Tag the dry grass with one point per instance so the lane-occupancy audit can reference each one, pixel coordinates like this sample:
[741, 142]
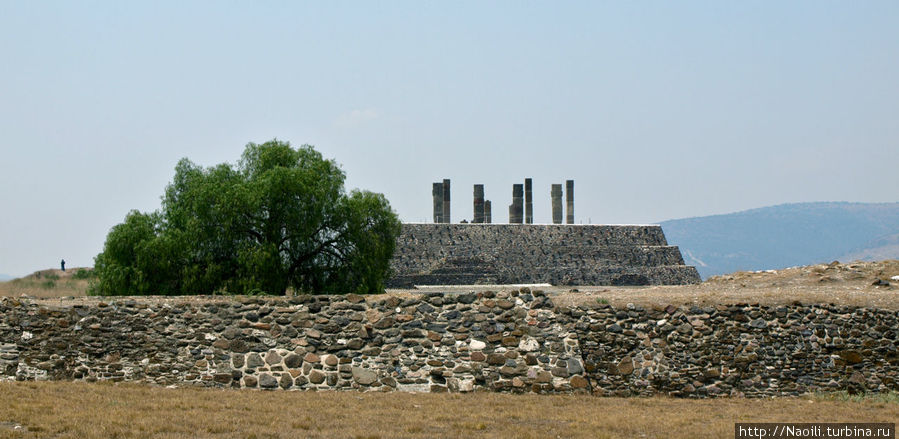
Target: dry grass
[842, 284]
[45, 284]
[81, 410]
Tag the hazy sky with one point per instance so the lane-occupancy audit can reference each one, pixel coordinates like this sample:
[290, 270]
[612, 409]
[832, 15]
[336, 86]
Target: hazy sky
[657, 110]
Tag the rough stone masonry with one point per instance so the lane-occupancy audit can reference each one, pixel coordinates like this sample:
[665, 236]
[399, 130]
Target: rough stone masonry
[508, 341]
[558, 254]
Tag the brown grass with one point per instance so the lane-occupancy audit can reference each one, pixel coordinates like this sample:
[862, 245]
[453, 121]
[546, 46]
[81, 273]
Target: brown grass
[82, 410]
[841, 284]
[46, 284]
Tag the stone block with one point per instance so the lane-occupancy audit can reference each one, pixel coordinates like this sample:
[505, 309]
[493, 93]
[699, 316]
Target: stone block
[286, 381]
[254, 361]
[365, 377]
[272, 358]
[267, 381]
[293, 361]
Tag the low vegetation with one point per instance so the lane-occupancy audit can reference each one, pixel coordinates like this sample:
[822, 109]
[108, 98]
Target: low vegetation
[81, 410]
[49, 283]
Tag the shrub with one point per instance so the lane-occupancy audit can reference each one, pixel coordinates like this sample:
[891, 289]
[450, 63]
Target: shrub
[83, 274]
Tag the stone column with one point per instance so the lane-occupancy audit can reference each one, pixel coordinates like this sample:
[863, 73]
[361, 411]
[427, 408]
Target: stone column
[516, 212]
[437, 195]
[528, 202]
[487, 209]
[478, 204]
[569, 201]
[556, 195]
[446, 201]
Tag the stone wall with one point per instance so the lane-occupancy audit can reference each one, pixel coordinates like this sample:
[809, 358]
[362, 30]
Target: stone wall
[464, 254]
[509, 341]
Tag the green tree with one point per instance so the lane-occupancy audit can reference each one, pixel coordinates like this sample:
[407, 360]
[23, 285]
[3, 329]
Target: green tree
[280, 219]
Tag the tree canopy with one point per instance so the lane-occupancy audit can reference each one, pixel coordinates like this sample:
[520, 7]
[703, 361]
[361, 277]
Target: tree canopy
[279, 219]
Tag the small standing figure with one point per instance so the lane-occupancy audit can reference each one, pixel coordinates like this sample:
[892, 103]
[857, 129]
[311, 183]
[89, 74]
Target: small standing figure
[62, 264]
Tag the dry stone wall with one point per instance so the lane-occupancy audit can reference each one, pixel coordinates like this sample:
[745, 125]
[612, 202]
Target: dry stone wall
[508, 341]
[463, 254]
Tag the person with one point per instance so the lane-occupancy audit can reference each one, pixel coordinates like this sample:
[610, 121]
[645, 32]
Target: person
[62, 264]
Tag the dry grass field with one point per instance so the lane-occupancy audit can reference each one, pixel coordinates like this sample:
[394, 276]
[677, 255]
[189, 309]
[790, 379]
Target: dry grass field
[842, 284]
[49, 283]
[81, 410]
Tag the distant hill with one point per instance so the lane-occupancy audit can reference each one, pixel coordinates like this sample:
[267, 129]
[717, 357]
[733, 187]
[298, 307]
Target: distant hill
[787, 235]
[5, 277]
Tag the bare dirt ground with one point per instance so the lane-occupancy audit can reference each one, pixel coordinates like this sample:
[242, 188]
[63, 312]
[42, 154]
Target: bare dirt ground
[857, 284]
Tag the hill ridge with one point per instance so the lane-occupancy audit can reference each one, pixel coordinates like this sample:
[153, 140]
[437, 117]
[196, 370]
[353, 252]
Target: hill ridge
[787, 235]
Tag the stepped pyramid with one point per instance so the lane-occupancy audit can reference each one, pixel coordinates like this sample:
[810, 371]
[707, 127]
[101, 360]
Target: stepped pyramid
[558, 254]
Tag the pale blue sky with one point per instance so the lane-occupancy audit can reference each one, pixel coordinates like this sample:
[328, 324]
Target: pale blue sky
[658, 110]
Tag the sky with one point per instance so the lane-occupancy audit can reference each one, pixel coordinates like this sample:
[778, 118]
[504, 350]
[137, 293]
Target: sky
[658, 110]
